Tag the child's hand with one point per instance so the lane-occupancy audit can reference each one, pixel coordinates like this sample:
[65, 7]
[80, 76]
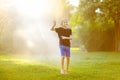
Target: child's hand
[63, 37]
[54, 22]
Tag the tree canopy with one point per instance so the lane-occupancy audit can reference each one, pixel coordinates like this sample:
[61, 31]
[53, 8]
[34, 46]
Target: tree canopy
[98, 14]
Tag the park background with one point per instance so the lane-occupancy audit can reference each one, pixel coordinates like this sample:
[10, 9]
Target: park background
[30, 51]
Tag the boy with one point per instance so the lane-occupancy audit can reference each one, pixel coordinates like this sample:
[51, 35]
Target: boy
[64, 34]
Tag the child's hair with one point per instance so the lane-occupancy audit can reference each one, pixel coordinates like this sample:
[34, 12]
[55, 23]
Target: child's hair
[62, 21]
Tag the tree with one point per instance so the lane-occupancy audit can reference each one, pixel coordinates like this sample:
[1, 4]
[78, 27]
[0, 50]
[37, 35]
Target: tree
[111, 10]
[66, 9]
[7, 27]
[100, 14]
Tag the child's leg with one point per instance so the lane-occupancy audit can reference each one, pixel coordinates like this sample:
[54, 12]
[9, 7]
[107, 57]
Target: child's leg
[67, 58]
[68, 61]
[62, 62]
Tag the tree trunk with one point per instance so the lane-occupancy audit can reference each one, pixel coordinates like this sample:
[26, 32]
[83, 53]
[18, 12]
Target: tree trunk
[117, 36]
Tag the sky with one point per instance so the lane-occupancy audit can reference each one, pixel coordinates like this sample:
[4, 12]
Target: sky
[74, 2]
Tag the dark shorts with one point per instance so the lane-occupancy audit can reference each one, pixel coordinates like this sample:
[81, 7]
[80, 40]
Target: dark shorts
[65, 51]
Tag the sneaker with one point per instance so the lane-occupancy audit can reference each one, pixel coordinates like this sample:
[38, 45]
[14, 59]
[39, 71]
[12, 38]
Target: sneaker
[62, 71]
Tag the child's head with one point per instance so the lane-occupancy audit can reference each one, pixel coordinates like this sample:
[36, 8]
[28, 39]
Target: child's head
[64, 22]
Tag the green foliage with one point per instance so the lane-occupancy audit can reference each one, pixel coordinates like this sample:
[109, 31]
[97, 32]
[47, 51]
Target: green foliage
[66, 7]
[109, 12]
[99, 17]
[111, 9]
[75, 20]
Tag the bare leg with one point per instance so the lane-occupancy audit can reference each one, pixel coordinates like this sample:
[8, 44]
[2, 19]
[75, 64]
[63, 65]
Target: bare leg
[68, 61]
[62, 64]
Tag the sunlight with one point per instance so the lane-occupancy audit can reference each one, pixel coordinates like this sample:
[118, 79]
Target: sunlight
[35, 8]
[74, 2]
[33, 20]
[32, 7]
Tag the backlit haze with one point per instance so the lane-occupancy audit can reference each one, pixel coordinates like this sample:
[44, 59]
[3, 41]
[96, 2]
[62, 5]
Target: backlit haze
[25, 27]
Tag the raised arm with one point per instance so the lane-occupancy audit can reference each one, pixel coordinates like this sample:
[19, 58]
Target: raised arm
[53, 27]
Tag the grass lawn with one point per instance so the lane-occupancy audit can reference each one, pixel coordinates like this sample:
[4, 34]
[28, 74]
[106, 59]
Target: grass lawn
[84, 66]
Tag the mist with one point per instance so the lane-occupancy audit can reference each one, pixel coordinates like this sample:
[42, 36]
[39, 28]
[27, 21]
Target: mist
[25, 28]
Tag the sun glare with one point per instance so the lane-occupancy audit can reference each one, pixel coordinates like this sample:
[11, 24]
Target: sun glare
[74, 2]
[37, 8]
[33, 20]
[29, 7]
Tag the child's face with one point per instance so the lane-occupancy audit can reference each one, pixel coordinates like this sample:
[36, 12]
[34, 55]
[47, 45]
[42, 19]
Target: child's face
[65, 23]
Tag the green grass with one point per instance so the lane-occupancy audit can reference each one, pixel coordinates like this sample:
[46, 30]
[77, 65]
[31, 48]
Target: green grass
[83, 66]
